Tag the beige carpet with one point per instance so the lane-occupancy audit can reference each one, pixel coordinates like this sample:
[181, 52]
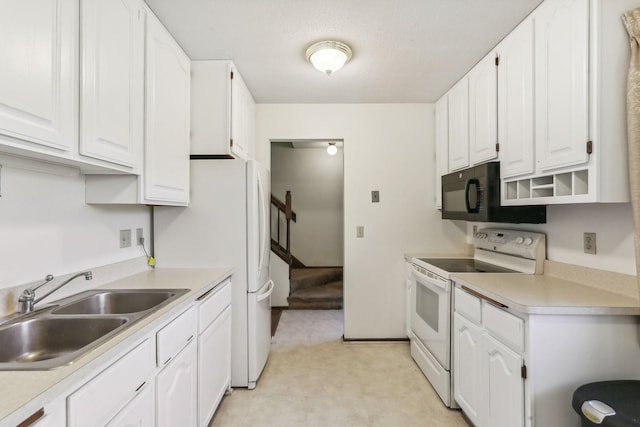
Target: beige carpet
[313, 378]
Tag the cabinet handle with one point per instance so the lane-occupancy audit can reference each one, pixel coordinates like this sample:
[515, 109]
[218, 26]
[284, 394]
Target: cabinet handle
[32, 418]
[140, 387]
[206, 294]
[487, 299]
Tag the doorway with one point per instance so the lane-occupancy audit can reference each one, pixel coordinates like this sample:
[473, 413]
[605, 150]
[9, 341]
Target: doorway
[312, 276]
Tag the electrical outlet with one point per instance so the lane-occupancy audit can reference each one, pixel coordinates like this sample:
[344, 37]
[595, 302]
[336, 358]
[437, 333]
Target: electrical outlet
[590, 243]
[125, 238]
[139, 236]
[375, 196]
[360, 231]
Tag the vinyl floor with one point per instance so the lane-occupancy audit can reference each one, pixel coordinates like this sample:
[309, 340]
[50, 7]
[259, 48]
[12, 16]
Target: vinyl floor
[314, 378]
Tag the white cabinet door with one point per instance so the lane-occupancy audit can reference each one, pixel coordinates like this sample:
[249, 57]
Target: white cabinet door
[242, 118]
[139, 412]
[214, 366]
[515, 101]
[442, 146]
[483, 110]
[176, 389]
[38, 65]
[459, 125]
[503, 398]
[112, 86]
[562, 82]
[166, 159]
[468, 386]
[222, 111]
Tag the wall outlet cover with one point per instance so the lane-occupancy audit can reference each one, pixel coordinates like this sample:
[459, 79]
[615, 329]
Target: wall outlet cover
[589, 243]
[125, 238]
[139, 235]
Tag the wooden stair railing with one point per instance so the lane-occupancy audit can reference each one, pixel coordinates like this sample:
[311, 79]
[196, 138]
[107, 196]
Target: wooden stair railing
[284, 252]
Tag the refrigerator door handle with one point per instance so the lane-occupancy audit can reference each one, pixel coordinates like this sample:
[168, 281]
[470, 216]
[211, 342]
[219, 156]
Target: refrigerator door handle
[262, 234]
[266, 294]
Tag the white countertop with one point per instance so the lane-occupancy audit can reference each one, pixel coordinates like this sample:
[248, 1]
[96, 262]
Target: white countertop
[543, 294]
[24, 392]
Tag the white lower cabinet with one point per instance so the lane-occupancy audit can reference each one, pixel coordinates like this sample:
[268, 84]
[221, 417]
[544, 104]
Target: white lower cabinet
[514, 369]
[467, 340]
[214, 351]
[176, 388]
[503, 388]
[55, 415]
[488, 375]
[140, 411]
[99, 400]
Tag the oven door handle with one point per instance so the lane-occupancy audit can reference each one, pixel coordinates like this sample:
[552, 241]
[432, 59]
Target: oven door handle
[442, 284]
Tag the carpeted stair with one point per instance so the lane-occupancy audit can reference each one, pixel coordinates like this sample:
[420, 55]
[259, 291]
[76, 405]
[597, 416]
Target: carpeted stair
[316, 288]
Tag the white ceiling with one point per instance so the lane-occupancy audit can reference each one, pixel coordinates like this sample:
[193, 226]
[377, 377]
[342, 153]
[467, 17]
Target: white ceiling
[403, 50]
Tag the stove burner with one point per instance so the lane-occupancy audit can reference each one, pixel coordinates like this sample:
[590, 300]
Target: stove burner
[465, 265]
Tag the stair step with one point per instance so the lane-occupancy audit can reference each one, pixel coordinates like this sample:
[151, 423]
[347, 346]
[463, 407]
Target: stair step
[303, 278]
[327, 296]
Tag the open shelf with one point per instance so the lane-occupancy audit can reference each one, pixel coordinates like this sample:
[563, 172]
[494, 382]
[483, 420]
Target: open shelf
[565, 184]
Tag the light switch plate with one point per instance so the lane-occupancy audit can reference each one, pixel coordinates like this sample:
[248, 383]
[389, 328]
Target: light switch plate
[375, 196]
[360, 231]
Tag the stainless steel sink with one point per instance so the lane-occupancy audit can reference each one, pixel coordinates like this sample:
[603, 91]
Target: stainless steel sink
[37, 341]
[117, 302]
[61, 333]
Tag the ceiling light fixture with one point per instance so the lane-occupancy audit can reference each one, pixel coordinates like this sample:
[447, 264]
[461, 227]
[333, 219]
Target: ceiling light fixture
[328, 56]
[332, 149]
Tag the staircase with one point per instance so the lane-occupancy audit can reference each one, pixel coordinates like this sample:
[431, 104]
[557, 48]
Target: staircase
[310, 288]
[316, 288]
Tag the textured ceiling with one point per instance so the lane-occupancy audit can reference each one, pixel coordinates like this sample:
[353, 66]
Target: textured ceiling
[403, 50]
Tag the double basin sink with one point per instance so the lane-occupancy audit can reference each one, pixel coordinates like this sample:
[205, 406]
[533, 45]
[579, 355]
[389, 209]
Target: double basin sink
[69, 328]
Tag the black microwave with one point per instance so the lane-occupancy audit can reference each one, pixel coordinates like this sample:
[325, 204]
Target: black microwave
[473, 194]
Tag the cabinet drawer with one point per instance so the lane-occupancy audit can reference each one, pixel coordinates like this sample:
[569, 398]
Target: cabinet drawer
[467, 305]
[507, 327]
[213, 304]
[173, 337]
[98, 400]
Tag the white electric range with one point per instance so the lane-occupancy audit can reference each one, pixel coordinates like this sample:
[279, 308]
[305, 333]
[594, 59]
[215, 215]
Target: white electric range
[495, 251]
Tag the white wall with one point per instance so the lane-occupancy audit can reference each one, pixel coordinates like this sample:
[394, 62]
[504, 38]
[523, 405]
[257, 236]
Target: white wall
[46, 227]
[612, 223]
[387, 147]
[315, 180]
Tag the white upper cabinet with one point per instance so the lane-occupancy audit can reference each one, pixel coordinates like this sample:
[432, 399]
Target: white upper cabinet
[38, 65]
[164, 178]
[562, 82]
[581, 59]
[112, 86]
[515, 101]
[168, 92]
[442, 146]
[458, 110]
[222, 111]
[483, 111]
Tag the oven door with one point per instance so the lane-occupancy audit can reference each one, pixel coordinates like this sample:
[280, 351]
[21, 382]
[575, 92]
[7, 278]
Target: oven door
[430, 314]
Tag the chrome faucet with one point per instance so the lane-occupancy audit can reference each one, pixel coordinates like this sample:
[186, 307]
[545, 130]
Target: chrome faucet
[27, 299]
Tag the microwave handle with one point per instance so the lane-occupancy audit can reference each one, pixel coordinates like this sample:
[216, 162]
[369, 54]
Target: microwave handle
[467, 193]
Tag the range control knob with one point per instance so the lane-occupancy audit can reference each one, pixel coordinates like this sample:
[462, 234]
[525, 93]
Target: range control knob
[519, 240]
[528, 241]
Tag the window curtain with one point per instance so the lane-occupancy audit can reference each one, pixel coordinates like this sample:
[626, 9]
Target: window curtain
[631, 21]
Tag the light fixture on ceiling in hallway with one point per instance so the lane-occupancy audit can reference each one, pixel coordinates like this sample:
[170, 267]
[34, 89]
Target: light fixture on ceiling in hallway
[328, 56]
[332, 149]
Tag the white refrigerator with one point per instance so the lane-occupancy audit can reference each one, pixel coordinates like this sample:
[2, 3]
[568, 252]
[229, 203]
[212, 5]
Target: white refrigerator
[227, 223]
